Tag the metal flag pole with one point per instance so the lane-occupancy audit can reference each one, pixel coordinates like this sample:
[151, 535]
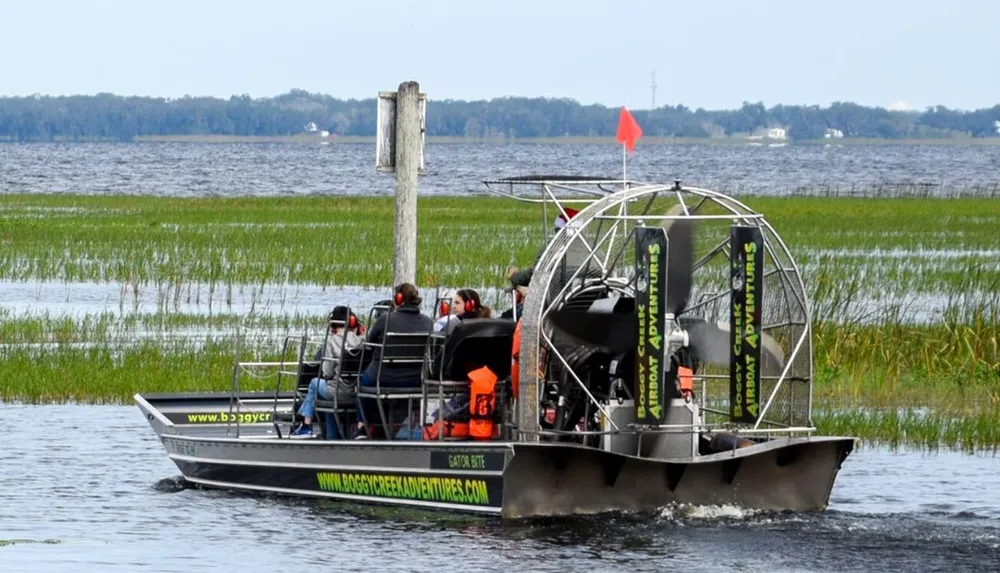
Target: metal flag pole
[624, 167]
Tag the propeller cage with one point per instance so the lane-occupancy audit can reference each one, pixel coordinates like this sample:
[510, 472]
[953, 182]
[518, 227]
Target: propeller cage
[671, 272]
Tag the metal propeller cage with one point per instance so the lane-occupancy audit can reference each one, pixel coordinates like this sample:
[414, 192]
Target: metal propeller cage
[594, 255]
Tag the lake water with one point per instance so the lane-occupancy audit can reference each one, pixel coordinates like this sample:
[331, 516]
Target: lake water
[89, 488]
[192, 169]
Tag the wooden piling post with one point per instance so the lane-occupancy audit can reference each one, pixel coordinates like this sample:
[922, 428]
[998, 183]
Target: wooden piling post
[400, 149]
[408, 151]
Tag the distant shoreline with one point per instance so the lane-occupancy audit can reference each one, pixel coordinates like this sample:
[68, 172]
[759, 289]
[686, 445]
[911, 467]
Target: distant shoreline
[567, 140]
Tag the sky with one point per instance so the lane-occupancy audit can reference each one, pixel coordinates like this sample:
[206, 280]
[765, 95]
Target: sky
[712, 54]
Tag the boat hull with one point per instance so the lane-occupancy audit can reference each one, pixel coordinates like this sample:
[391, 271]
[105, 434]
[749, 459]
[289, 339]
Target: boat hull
[508, 479]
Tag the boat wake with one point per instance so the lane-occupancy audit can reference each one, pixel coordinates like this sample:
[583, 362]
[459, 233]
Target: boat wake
[682, 512]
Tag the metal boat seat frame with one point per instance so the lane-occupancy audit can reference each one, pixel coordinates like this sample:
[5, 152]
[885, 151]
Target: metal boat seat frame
[398, 349]
[347, 374]
[456, 351]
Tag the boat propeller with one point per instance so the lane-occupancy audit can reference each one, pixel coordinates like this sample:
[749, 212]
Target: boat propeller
[611, 325]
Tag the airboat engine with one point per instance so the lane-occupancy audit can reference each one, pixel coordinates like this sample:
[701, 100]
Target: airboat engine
[616, 355]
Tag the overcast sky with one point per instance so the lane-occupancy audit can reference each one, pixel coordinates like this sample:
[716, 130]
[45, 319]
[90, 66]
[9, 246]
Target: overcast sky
[712, 54]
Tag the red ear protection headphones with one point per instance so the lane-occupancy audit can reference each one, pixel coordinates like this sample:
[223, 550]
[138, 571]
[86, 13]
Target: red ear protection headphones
[398, 299]
[470, 305]
[445, 308]
[352, 322]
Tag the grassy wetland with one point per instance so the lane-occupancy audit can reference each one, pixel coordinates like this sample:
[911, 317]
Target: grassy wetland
[906, 293]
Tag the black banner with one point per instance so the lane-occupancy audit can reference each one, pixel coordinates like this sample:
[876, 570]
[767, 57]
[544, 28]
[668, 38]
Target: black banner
[650, 293]
[747, 268]
[401, 486]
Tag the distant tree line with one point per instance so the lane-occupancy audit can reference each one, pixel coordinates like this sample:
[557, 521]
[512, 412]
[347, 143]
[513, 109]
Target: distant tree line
[112, 117]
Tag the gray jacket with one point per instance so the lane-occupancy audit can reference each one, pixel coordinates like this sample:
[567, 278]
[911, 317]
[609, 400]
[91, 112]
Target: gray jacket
[333, 349]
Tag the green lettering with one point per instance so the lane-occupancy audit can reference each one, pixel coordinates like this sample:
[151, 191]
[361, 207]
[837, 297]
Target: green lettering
[453, 490]
[641, 310]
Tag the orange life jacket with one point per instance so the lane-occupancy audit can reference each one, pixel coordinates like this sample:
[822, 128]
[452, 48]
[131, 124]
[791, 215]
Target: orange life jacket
[515, 353]
[446, 429]
[482, 401]
[686, 380]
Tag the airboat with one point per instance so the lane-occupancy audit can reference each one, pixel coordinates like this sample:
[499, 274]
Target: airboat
[665, 357]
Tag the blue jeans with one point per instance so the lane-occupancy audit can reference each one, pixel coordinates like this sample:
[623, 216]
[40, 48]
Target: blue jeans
[317, 386]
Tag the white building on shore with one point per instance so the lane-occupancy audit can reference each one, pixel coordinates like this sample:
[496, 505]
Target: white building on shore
[776, 133]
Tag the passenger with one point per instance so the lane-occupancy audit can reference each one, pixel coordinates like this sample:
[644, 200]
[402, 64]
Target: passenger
[519, 291]
[465, 304]
[515, 356]
[405, 317]
[339, 320]
[515, 351]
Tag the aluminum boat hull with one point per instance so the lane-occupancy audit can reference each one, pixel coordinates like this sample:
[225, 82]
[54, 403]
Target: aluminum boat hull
[507, 479]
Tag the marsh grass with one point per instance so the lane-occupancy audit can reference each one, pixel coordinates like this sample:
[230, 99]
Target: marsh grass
[879, 375]
[168, 244]
[915, 427]
[112, 374]
[933, 385]
[111, 328]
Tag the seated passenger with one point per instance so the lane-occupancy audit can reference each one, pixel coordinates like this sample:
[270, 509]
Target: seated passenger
[405, 317]
[465, 304]
[339, 320]
[519, 290]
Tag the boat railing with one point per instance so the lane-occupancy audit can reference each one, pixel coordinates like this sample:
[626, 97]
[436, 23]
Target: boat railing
[290, 364]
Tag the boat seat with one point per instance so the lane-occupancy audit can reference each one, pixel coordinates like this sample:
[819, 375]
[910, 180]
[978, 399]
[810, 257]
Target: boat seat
[386, 392]
[474, 343]
[343, 411]
[400, 352]
[307, 370]
[469, 345]
[343, 408]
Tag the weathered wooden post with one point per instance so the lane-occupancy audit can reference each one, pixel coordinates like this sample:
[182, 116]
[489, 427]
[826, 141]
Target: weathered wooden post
[399, 149]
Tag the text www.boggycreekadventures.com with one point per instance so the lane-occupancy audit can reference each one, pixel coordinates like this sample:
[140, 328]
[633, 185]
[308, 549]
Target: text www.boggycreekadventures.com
[225, 417]
[454, 490]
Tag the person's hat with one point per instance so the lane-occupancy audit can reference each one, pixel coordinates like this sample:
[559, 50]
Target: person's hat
[561, 219]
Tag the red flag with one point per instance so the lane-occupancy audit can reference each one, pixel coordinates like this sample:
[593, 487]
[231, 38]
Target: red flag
[628, 130]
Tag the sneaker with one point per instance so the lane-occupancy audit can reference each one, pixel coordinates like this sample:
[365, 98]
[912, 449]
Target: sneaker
[302, 432]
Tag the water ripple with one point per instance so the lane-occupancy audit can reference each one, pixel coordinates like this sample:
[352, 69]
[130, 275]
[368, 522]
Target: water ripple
[268, 169]
[97, 487]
